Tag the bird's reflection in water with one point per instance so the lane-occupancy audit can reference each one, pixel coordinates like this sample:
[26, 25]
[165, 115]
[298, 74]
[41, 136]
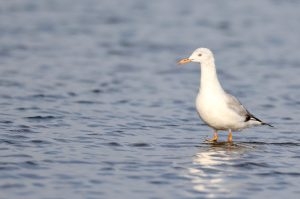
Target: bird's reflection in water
[213, 168]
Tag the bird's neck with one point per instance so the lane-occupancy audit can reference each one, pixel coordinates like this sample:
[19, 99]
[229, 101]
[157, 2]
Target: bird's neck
[209, 78]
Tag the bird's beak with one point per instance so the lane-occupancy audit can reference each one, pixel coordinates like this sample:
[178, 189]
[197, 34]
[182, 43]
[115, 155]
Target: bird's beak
[184, 61]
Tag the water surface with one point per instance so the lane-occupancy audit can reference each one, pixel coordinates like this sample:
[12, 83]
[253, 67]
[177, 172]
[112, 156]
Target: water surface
[92, 104]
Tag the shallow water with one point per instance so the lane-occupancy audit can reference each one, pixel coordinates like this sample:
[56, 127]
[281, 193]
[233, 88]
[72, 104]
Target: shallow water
[93, 104]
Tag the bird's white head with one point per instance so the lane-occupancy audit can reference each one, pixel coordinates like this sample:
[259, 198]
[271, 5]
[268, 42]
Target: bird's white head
[200, 55]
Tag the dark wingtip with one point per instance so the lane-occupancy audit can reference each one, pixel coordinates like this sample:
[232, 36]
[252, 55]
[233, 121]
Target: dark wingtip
[263, 123]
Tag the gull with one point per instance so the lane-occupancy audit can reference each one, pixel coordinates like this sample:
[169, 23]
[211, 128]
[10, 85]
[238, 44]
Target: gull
[217, 108]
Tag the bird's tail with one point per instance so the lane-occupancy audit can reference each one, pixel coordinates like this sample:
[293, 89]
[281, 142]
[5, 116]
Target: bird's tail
[261, 122]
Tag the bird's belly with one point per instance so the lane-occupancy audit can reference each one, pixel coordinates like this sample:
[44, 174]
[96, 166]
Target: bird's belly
[216, 114]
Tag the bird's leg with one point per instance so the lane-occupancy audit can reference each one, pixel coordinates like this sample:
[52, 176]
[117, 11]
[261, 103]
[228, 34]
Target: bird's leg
[215, 138]
[229, 136]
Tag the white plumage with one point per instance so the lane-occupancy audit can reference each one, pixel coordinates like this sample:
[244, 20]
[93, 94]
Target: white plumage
[218, 109]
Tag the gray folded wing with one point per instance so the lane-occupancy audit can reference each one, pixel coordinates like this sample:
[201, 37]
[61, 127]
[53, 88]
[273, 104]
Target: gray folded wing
[234, 104]
[237, 107]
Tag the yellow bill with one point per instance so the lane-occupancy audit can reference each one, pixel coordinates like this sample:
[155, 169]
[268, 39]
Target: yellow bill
[184, 61]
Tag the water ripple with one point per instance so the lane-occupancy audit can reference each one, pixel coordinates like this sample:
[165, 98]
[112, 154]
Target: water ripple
[92, 102]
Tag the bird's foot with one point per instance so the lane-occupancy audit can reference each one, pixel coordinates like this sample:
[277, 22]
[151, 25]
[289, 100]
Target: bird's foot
[211, 140]
[214, 139]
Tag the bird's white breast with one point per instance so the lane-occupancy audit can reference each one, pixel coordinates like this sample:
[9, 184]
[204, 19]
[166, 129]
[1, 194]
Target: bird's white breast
[213, 110]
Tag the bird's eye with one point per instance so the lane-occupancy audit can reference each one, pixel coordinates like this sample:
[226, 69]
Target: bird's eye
[200, 55]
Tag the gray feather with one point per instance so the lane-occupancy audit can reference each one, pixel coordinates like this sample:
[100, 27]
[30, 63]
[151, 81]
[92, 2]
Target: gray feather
[235, 105]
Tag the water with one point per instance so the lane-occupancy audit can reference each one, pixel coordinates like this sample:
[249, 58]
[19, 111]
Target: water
[93, 105]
